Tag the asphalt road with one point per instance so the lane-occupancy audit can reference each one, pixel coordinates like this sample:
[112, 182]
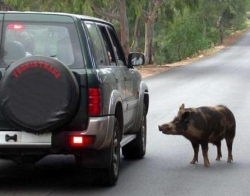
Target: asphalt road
[223, 78]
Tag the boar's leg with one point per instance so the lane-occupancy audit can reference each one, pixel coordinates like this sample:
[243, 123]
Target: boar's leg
[229, 148]
[219, 154]
[196, 151]
[204, 146]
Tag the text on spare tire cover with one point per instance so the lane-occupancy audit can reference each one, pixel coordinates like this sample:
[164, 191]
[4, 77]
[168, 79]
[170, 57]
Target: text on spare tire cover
[36, 64]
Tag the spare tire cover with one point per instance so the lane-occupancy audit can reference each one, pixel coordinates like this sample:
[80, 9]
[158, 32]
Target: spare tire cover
[38, 94]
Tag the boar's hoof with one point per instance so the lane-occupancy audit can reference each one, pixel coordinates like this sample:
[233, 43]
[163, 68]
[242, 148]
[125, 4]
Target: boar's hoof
[206, 163]
[230, 159]
[194, 161]
[218, 158]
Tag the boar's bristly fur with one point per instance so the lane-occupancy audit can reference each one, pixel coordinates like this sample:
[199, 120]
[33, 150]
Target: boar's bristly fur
[204, 125]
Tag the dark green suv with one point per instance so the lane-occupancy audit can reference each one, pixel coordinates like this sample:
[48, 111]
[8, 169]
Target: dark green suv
[67, 88]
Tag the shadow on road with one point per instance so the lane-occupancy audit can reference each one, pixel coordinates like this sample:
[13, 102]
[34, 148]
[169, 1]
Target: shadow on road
[53, 173]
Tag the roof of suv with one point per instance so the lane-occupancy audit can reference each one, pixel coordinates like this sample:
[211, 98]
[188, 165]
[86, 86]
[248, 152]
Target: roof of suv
[56, 13]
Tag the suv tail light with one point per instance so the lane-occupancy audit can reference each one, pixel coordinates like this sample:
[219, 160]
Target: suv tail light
[94, 101]
[15, 27]
[81, 140]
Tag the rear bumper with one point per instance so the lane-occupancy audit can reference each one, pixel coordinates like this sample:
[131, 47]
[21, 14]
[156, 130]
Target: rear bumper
[99, 127]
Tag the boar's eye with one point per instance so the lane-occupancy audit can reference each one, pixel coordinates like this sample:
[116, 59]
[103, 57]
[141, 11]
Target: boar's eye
[182, 126]
[185, 117]
[179, 124]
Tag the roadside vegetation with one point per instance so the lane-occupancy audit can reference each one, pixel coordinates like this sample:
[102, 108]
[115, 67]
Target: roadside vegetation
[165, 30]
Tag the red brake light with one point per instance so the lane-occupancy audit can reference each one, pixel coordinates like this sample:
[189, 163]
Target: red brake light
[94, 101]
[16, 27]
[81, 140]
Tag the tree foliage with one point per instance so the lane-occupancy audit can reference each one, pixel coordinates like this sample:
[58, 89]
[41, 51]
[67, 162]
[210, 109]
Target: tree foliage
[193, 30]
[165, 30]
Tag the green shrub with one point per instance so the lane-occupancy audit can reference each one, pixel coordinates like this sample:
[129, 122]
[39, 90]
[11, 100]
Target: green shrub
[184, 38]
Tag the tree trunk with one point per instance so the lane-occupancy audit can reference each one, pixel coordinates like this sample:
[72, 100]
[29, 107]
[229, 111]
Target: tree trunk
[134, 46]
[124, 26]
[4, 6]
[148, 42]
[150, 19]
[120, 16]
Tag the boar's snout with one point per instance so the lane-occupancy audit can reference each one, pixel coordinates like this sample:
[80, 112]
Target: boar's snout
[166, 128]
[162, 127]
[159, 127]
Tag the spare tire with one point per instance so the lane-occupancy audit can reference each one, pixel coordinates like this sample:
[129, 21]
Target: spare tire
[38, 94]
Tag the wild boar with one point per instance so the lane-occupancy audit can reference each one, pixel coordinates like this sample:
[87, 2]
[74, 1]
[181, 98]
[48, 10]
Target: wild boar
[204, 125]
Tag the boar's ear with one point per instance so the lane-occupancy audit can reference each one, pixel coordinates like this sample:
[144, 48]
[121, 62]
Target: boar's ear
[182, 107]
[185, 117]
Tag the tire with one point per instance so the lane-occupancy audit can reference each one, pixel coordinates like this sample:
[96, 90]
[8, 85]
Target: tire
[136, 149]
[109, 176]
[38, 94]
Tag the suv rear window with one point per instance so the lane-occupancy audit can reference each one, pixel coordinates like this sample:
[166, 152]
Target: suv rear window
[59, 41]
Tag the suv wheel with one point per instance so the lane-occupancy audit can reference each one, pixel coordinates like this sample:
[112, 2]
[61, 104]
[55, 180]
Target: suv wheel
[109, 176]
[137, 148]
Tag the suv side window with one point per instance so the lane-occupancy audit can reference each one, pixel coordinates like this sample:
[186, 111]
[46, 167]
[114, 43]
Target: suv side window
[117, 48]
[108, 44]
[98, 47]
